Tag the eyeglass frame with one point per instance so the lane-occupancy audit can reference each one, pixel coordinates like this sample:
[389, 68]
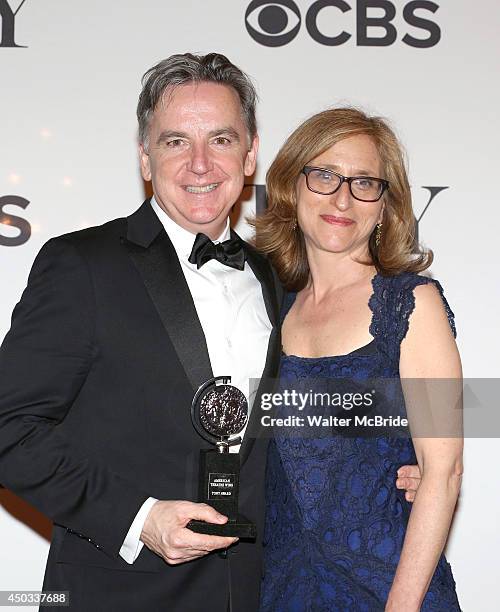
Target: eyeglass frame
[306, 170]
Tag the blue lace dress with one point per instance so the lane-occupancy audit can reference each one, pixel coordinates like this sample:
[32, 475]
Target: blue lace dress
[335, 521]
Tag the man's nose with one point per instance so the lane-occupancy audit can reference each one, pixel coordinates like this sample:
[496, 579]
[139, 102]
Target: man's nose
[200, 161]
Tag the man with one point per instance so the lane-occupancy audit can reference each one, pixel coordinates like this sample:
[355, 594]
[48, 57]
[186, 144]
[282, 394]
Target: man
[117, 328]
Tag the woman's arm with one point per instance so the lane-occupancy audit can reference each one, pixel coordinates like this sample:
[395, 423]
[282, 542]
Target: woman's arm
[429, 352]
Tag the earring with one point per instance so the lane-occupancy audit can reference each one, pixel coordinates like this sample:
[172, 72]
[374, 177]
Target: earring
[294, 224]
[378, 234]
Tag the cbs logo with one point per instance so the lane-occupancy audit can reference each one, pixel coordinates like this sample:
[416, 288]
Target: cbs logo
[276, 23]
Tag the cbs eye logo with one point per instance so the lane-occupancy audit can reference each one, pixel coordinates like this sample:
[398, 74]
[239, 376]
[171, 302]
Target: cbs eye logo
[276, 23]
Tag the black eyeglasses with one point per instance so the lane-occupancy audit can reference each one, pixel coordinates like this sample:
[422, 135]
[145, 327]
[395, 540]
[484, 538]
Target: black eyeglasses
[326, 182]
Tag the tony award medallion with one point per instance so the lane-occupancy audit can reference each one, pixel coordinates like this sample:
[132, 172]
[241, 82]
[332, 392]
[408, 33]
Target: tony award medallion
[220, 410]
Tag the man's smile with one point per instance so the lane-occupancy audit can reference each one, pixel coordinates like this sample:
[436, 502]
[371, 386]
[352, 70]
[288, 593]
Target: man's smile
[201, 188]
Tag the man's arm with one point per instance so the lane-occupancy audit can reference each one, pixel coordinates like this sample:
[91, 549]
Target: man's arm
[44, 362]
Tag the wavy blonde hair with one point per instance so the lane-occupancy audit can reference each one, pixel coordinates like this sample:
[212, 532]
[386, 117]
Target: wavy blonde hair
[276, 231]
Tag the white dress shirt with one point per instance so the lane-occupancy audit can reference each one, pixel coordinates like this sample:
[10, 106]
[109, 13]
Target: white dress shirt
[234, 320]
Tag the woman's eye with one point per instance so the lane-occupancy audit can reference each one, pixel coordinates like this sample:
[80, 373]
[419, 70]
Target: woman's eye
[364, 183]
[326, 177]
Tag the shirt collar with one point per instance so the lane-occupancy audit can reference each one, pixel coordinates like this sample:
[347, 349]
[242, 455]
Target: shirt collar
[181, 238]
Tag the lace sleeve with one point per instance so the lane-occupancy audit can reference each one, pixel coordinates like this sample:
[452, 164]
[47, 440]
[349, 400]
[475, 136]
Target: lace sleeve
[392, 303]
[405, 302]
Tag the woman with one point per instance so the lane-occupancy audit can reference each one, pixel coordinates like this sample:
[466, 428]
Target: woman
[340, 231]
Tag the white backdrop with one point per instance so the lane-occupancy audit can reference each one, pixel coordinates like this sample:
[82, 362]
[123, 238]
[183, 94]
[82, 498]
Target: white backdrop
[69, 91]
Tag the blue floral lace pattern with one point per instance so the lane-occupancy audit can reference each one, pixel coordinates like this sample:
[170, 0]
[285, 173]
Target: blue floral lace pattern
[335, 522]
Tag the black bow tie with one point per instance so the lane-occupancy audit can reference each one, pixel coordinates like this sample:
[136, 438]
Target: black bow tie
[230, 252]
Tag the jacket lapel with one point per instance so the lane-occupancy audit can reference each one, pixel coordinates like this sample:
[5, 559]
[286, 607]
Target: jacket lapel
[156, 260]
[272, 294]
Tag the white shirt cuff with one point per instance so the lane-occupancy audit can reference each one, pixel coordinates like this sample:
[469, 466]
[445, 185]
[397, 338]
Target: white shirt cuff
[132, 544]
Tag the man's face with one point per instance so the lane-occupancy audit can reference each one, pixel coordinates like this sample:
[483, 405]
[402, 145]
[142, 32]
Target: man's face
[198, 155]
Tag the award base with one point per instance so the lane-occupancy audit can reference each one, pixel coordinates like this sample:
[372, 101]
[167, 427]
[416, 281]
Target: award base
[219, 485]
[240, 527]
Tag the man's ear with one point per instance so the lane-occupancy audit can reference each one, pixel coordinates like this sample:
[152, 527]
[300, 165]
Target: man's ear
[144, 160]
[251, 157]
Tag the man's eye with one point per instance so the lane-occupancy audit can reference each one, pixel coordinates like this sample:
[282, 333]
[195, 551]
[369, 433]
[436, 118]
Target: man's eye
[176, 142]
[221, 140]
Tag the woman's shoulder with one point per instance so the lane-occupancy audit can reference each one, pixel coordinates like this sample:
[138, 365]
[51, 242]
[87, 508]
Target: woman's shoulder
[402, 292]
[401, 287]
[405, 281]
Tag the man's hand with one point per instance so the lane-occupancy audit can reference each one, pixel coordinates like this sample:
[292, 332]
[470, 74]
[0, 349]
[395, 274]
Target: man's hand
[409, 478]
[165, 531]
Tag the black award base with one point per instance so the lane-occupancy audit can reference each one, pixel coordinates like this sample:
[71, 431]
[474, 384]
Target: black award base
[240, 527]
[219, 485]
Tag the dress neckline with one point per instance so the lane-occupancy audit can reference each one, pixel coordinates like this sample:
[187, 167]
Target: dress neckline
[365, 349]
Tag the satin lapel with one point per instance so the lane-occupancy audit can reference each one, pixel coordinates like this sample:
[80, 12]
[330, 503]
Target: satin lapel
[266, 384]
[162, 275]
[272, 299]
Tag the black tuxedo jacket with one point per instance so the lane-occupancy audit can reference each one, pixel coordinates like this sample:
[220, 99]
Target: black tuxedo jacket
[97, 374]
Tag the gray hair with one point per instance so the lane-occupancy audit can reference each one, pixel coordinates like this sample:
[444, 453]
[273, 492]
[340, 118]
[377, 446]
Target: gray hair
[186, 68]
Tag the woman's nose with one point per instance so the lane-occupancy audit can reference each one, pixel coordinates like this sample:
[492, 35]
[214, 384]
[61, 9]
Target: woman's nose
[342, 198]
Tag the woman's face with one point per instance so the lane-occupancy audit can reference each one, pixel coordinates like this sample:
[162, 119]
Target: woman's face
[339, 223]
